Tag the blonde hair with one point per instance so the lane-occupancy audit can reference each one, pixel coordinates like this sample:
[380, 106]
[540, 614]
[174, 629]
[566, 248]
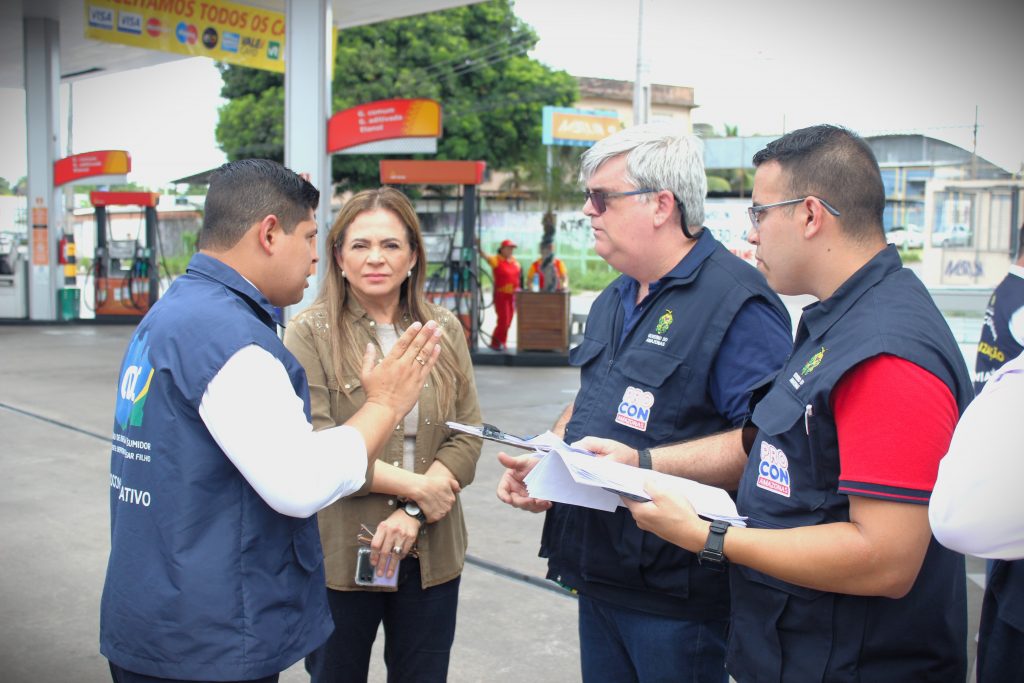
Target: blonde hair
[335, 295]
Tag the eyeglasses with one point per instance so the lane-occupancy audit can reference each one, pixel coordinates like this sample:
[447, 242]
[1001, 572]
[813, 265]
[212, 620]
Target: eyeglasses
[755, 211]
[598, 198]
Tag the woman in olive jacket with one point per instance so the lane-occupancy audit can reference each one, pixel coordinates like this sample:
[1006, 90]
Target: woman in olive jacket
[373, 291]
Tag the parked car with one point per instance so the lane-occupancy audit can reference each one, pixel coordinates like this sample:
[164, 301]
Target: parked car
[906, 236]
[954, 236]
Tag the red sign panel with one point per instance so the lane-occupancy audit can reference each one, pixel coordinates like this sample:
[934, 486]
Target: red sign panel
[406, 172]
[90, 164]
[383, 120]
[124, 198]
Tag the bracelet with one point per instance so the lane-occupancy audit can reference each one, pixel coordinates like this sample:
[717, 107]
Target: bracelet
[644, 458]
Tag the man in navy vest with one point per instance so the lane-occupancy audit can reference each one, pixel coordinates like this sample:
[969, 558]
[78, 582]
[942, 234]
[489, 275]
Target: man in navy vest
[1002, 333]
[836, 576]
[216, 570]
[670, 352]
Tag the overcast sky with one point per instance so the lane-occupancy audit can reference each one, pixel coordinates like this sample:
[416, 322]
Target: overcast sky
[876, 66]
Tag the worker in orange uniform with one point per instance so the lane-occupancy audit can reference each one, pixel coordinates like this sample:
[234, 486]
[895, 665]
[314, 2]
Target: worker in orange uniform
[548, 270]
[507, 274]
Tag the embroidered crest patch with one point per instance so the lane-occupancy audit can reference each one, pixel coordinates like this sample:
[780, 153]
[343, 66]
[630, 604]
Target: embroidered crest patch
[814, 362]
[664, 322]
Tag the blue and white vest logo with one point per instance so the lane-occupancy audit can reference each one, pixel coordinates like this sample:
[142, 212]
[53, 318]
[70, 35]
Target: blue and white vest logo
[635, 408]
[133, 387]
[773, 470]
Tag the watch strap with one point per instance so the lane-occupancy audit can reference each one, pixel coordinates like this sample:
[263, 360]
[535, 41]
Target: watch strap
[643, 457]
[713, 554]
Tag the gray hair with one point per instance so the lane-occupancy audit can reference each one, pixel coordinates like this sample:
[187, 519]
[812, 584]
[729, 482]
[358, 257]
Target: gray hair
[659, 156]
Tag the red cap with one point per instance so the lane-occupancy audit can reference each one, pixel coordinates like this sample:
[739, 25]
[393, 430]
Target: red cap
[508, 243]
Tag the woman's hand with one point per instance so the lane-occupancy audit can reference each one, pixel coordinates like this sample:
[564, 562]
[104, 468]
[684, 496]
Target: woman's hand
[393, 540]
[436, 494]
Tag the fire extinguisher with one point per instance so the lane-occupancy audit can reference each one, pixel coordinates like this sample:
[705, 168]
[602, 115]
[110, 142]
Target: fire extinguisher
[66, 257]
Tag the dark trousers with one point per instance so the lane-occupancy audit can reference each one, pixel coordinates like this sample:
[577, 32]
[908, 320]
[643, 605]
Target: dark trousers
[626, 646]
[419, 628]
[1000, 638]
[124, 676]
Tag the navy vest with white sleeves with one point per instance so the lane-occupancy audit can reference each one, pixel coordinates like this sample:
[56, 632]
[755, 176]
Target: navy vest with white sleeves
[784, 632]
[205, 580]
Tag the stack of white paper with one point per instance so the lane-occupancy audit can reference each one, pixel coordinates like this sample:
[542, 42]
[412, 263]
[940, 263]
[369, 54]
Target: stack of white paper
[578, 477]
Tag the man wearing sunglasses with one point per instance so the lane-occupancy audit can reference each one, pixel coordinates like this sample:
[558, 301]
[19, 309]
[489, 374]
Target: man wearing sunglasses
[837, 575]
[670, 351]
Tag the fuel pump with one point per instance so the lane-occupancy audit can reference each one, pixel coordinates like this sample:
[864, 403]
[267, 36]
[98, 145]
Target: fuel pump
[125, 274]
[13, 268]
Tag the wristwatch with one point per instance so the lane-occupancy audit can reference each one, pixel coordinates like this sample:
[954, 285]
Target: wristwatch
[643, 458]
[413, 510]
[713, 555]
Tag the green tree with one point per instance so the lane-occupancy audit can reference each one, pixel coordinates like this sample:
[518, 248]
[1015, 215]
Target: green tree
[21, 187]
[554, 176]
[5, 187]
[471, 59]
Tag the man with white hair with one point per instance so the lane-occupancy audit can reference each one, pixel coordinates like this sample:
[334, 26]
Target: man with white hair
[669, 354]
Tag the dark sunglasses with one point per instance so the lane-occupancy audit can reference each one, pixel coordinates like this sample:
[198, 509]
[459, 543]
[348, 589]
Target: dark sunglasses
[598, 199]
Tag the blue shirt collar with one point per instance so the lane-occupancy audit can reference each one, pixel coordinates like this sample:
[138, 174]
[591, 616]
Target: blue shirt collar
[218, 271]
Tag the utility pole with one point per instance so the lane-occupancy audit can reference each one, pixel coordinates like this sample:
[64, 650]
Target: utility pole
[642, 85]
[974, 150]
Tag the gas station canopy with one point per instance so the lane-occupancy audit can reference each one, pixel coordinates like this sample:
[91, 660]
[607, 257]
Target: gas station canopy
[43, 43]
[81, 57]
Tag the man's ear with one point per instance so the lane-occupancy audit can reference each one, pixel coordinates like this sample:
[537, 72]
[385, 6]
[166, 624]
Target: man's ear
[269, 232]
[666, 206]
[816, 215]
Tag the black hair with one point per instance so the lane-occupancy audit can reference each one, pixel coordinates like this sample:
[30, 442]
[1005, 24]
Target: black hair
[244, 192]
[837, 165]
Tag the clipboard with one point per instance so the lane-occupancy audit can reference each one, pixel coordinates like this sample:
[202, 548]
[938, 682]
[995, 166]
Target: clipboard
[492, 433]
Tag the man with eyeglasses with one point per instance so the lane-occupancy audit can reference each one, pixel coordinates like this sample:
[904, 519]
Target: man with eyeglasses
[837, 576]
[670, 352]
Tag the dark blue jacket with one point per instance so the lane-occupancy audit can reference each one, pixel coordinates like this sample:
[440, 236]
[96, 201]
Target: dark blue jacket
[783, 632]
[1001, 631]
[650, 388]
[205, 580]
[997, 344]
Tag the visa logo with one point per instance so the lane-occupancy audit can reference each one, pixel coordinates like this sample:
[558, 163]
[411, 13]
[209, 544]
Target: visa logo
[129, 23]
[101, 17]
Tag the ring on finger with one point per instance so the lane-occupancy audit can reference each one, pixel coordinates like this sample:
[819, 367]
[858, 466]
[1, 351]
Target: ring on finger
[397, 550]
[421, 360]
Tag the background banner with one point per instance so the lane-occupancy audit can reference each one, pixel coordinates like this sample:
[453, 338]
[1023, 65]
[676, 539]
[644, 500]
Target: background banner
[225, 31]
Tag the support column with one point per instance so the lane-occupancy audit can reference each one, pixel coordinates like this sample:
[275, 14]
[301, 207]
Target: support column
[45, 205]
[307, 104]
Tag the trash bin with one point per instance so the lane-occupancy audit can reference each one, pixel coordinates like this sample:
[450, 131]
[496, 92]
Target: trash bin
[68, 302]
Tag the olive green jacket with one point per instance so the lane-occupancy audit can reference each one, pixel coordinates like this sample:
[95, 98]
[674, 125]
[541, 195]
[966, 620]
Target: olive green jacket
[442, 545]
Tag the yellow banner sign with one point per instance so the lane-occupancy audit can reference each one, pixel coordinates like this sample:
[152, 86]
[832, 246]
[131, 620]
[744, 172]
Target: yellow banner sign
[225, 31]
[584, 126]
